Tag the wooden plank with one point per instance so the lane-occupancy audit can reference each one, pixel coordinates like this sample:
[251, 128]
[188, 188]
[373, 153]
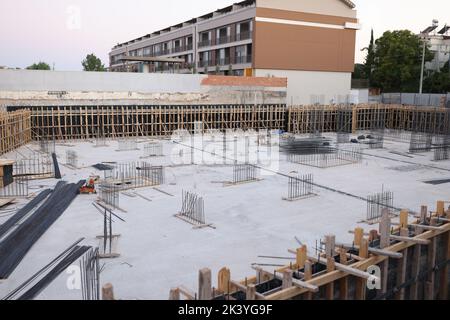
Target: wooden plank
[301, 257]
[359, 232]
[295, 282]
[174, 294]
[329, 289]
[409, 239]
[223, 278]
[415, 270]
[401, 275]
[251, 292]
[443, 284]
[385, 229]
[204, 284]
[404, 219]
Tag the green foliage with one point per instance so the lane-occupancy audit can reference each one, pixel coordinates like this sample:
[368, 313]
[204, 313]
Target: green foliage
[370, 60]
[397, 61]
[92, 63]
[39, 66]
[359, 72]
[438, 82]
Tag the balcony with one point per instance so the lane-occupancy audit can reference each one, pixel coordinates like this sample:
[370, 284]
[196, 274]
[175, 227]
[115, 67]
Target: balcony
[243, 59]
[244, 36]
[228, 39]
[207, 63]
[224, 62]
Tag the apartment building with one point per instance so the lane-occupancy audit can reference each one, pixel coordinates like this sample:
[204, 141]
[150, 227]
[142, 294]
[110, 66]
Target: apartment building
[311, 42]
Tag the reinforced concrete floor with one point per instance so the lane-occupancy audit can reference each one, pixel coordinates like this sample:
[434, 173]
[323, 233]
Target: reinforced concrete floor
[159, 251]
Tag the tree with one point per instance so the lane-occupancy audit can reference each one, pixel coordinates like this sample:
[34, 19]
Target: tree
[359, 72]
[397, 61]
[370, 59]
[39, 66]
[92, 63]
[438, 82]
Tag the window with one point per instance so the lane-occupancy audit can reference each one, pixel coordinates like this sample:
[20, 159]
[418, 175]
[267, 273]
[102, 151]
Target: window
[244, 30]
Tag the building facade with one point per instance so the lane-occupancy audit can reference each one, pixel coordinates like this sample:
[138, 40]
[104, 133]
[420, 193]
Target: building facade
[311, 42]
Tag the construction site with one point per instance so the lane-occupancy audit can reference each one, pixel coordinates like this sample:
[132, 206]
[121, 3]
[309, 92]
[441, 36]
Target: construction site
[256, 202]
[228, 157]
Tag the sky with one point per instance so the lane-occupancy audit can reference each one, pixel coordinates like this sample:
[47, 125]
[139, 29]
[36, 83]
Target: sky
[63, 32]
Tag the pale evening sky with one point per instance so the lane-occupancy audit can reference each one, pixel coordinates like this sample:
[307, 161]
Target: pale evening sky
[34, 30]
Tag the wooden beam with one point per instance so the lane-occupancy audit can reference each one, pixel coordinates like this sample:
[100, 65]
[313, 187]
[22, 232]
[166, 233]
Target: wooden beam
[308, 277]
[329, 289]
[424, 227]
[360, 289]
[251, 292]
[440, 208]
[401, 275]
[330, 245]
[174, 294]
[223, 280]
[410, 239]
[301, 257]
[404, 219]
[244, 288]
[358, 234]
[108, 292]
[364, 248]
[287, 278]
[204, 284]
[443, 283]
[415, 270]
[344, 268]
[295, 282]
[385, 229]
[376, 251]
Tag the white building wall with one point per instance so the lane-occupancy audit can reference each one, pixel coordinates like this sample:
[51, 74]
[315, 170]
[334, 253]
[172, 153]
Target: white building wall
[310, 87]
[36, 80]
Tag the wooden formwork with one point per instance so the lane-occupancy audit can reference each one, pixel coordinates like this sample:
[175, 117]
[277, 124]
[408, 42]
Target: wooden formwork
[69, 123]
[303, 119]
[15, 130]
[87, 122]
[406, 262]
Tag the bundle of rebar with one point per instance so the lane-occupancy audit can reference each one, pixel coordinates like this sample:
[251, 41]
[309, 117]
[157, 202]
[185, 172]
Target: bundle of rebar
[90, 275]
[19, 241]
[32, 287]
[11, 222]
[193, 207]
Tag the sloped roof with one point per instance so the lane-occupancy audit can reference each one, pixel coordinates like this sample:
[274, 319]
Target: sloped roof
[349, 3]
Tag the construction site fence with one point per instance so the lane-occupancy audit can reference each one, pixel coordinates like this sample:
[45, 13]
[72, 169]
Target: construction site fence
[417, 99]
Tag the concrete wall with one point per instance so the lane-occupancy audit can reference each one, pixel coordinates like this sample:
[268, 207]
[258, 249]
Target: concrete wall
[30, 80]
[310, 87]
[359, 96]
[32, 88]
